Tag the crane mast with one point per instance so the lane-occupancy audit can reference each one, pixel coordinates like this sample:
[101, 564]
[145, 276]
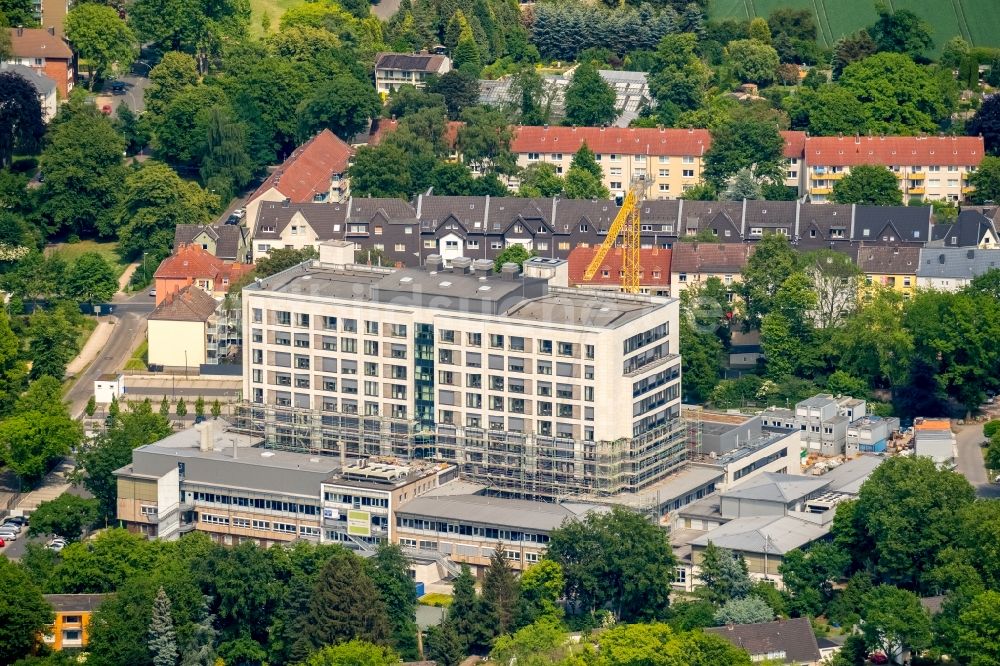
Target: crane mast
[626, 225]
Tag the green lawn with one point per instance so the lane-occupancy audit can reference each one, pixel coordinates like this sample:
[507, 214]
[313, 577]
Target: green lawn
[273, 8]
[978, 21]
[89, 324]
[140, 357]
[70, 252]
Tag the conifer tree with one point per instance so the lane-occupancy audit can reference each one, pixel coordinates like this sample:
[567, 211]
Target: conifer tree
[164, 407]
[389, 572]
[199, 406]
[162, 638]
[500, 592]
[216, 408]
[344, 605]
[181, 408]
[466, 613]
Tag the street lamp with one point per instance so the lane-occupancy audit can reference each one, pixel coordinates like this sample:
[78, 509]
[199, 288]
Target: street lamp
[145, 273]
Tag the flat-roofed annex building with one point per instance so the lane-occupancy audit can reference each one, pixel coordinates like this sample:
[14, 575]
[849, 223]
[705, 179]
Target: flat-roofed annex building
[536, 390]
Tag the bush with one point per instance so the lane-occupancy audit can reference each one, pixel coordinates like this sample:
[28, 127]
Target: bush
[991, 428]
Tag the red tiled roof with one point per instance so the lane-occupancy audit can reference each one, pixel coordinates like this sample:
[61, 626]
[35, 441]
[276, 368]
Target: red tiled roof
[795, 144]
[191, 261]
[383, 126]
[308, 169]
[627, 140]
[188, 304]
[894, 150]
[709, 257]
[652, 262]
[38, 43]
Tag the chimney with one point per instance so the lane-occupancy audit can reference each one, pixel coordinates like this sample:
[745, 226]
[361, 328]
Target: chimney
[509, 271]
[482, 266]
[434, 263]
[336, 252]
[461, 265]
[285, 202]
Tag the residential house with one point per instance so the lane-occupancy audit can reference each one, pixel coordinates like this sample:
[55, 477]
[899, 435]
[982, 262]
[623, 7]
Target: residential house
[297, 226]
[926, 167]
[670, 160]
[934, 439]
[889, 267]
[395, 70]
[43, 85]
[182, 330]
[229, 242]
[790, 641]
[694, 263]
[190, 264]
[951, 269]
[71, 628]
[905, 226]
[46, 53]
[972, 228]
[316, 171]
[654, 270]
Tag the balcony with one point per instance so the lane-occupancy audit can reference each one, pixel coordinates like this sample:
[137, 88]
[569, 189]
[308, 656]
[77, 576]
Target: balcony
[835, 175]
[919, 189]
[967, 189]
[918, 175]
[820, 190]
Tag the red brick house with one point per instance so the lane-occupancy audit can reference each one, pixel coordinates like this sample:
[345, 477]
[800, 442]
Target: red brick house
[45, 52]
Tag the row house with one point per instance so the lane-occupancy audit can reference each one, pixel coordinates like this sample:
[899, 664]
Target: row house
[654, 270]
[928, 168]
[973, 228]
[670, 160]
[892, 268]
[693, 264]
[316, 171]
[229, 242]
[481, 227]
[951, 269]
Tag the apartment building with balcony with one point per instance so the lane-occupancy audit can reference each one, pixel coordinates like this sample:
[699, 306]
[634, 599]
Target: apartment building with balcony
[928, 168]
[395, 70]
[71, 628]
[499, 374]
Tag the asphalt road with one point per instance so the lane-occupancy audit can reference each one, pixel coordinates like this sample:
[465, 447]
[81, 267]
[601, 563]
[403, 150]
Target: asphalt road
[130, 327]
[969, 460]
[135, 82]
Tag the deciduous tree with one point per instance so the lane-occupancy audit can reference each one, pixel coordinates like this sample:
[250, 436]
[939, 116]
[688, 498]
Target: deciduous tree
[740, 143]
[21, 125]
[749, 610]
[101, 38]
[986, 180]
[753, 61]
[868, 184]
[893, 619]
[67, 515]
[24, 617]
[343, 104]
[91, 279]
[353, 653]
[901, 31]
[590, 100]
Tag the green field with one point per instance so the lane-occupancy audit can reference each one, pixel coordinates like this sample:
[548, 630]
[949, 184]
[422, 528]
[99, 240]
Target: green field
[273, 8]
[978, 21]
[70, 252]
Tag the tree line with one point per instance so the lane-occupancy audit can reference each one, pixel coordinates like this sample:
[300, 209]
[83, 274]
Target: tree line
[823, 328]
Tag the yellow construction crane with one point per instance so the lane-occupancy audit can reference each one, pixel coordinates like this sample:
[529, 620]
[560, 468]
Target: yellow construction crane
[627, 225]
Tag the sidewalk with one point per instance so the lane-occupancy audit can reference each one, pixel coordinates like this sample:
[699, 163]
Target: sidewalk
[95, 343]
[126, 277]
[54, 485]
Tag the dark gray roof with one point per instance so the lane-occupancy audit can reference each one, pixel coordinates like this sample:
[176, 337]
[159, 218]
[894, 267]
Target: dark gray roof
[394, 211]
[889, 260]
[906, 224]
[75, 603]
[771, 215]
[43, 84]
[958, 263]
[794, 637]
[470, 212]
[326, 219]
[570, 212]
[229, 238]
[419, 62]
[695, 215]
[967, 231]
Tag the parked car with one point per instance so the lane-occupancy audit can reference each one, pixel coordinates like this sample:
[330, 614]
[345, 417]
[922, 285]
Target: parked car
[118, 87]
[152, 292]
[106, 109]
[19, 520]
[56, 545]
[240, 213]
[12, 526]
[232, 219]
[8, 535]
[2, 543]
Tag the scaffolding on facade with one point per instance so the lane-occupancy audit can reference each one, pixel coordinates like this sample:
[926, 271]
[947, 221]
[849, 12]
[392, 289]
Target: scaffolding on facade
[516, 465]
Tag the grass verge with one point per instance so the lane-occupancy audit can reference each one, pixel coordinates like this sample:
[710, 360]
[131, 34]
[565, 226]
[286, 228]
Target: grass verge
[140, 357]
[72, 251]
